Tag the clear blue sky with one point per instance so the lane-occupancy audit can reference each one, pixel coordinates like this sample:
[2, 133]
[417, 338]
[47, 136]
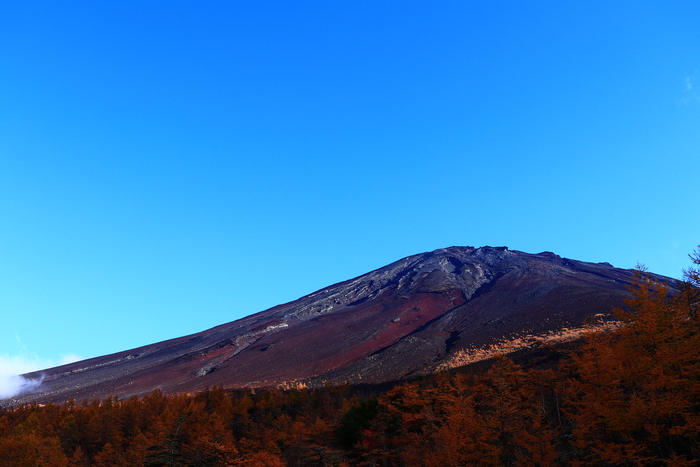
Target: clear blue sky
[166, 167]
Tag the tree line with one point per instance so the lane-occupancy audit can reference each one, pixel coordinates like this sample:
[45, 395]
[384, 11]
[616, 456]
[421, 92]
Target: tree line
[625, 397]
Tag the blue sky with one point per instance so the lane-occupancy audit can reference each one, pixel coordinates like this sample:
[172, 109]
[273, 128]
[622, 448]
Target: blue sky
[165, 168]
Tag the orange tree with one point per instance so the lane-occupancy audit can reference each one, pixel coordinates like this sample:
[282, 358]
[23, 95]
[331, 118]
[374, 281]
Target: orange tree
[634, 396]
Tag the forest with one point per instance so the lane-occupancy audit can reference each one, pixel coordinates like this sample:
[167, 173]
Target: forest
[629, 396]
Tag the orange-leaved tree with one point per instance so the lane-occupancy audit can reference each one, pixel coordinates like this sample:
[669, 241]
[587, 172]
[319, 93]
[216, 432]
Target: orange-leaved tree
[635, 394]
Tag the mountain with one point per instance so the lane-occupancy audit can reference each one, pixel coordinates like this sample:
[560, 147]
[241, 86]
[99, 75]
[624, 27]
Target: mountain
[420, 314]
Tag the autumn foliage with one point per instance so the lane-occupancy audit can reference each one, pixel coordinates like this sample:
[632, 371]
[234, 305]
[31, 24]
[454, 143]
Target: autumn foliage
[625, 397]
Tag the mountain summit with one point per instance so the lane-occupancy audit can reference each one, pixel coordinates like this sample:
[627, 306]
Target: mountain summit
[420, 314]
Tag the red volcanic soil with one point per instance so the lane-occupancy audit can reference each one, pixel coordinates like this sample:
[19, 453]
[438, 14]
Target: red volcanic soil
[403, 320]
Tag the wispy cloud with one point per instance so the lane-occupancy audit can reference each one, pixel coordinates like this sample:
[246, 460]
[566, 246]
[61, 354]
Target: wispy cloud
[12, 383]
[691, 94]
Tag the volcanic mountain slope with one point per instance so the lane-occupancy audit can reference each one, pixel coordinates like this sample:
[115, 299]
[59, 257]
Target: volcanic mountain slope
[410, 318]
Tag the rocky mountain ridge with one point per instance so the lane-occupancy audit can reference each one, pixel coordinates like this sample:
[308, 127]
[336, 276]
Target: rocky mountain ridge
[409, 318]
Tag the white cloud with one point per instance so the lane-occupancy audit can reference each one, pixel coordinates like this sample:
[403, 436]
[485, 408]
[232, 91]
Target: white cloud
[11, 384]
[690, 93]
[17, 365]
[12, 367]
